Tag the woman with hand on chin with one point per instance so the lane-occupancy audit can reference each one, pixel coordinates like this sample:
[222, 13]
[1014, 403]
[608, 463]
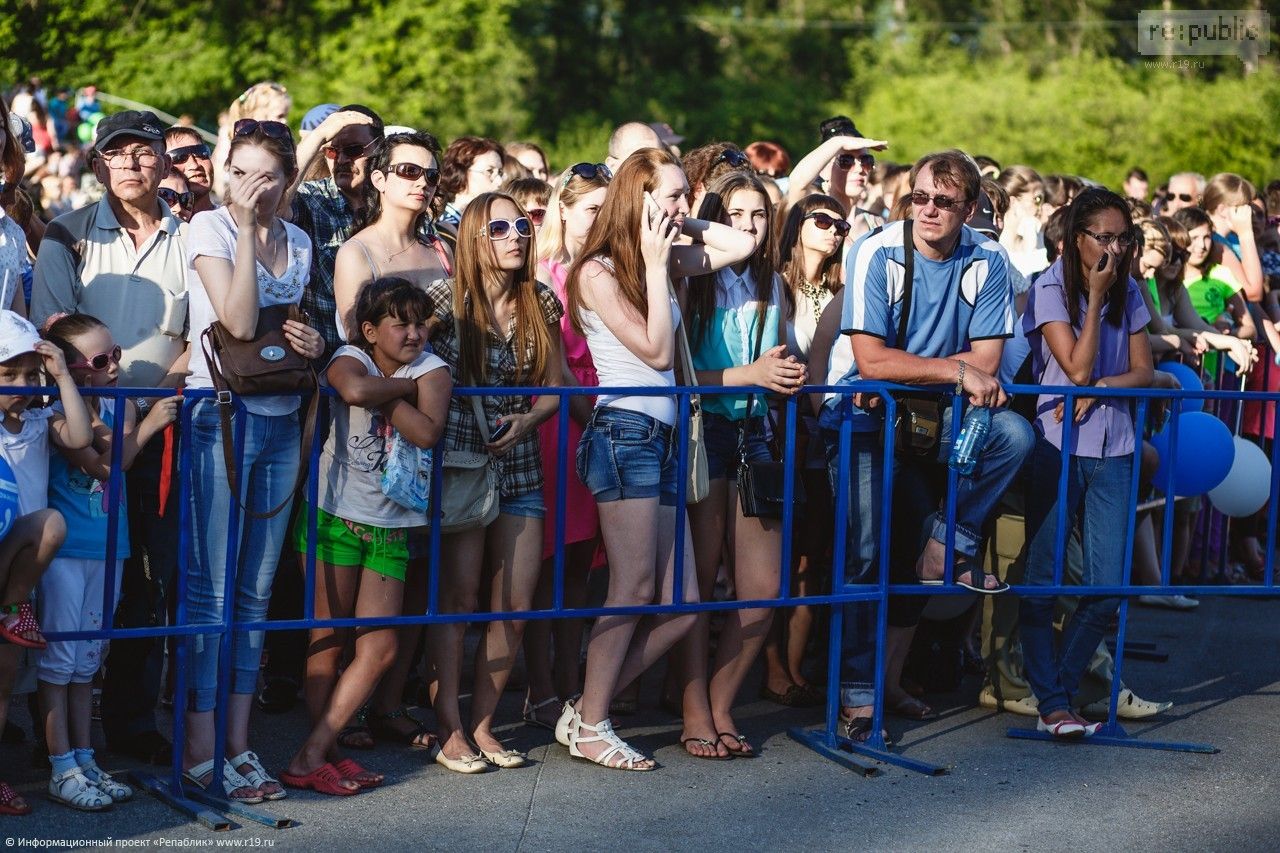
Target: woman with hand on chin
[245, 258]
[621, 301]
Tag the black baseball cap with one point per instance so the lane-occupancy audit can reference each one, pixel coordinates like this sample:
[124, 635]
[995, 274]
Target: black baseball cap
[140, 123]
[838, 126]
[984, 217]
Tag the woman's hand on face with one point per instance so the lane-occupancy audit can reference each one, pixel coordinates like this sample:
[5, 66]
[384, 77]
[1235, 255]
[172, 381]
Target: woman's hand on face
[1102, 274]
[244, 196]
[657, 234]
[1242, 219]
[306, 341]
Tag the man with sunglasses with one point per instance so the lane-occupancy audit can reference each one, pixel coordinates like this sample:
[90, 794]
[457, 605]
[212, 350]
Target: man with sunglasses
[123, 261]
[190, 157]
[1186, 189]
[326, 209]
[942, 324]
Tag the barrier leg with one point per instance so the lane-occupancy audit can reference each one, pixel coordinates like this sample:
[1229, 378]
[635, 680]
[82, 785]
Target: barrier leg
[160, 790]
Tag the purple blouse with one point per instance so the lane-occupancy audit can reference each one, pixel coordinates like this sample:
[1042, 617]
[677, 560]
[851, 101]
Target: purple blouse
[1107, 430]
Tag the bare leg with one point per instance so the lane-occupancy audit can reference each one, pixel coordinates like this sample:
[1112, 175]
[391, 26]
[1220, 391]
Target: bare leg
[548, 680]
[31, 544]
[460, 564]
[53, 704]
[389, 693]
[335, 599]
[515, 550]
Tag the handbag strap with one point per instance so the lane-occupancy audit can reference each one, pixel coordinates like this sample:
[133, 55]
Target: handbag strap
[908, 279]
[477, 407]
[224, 403]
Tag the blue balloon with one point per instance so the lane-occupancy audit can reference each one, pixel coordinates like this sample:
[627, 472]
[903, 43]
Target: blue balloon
[1205, 454]
[8, 497]
[1189, 380]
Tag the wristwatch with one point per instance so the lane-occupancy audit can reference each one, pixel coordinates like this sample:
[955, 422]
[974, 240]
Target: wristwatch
[960, 379]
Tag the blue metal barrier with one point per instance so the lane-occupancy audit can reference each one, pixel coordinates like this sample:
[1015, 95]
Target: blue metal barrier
[209, 809]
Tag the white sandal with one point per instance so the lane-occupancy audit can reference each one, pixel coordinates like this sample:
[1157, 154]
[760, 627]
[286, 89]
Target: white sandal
[569, 720]
[117, 791]
[73, 788]
[258, 776]
[618, 755]
[231, 780]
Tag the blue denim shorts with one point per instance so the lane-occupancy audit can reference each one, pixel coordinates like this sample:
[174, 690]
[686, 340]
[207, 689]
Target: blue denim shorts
[529, 505]
[720, 435]
[625, 455]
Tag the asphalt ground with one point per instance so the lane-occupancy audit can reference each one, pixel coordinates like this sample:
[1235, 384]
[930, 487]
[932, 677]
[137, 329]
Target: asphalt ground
[1001, 793]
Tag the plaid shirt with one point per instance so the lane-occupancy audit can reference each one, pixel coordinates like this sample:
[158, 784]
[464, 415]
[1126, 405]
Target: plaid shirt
[521, 466]
[321, 210]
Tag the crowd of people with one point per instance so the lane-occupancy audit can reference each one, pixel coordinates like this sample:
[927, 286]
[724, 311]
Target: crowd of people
[140, 256]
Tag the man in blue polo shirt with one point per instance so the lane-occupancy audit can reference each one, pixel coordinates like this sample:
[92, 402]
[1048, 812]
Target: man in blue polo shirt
[958, 311]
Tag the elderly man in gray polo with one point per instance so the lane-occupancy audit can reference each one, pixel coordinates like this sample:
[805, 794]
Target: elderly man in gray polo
[123, 261]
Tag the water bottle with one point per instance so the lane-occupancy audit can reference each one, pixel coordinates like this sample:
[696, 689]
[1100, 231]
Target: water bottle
[972, 438]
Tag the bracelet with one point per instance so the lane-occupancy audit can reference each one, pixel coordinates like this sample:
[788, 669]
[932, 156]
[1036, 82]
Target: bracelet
[960, 379]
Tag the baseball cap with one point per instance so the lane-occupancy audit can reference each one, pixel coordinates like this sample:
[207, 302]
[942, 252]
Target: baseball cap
[392, 129]
[838, 126]
[140, 123]
[317, 114]
[21, 129]
[17, 335]
[665, 134]
[984, 217]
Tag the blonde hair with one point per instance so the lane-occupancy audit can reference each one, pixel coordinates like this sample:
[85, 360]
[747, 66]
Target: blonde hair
[257, 97]
[1018, 179]
[1226, 188]
[1154, 235]
[568, 190]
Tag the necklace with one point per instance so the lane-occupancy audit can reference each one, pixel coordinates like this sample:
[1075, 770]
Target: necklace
[273, 246]
[397, 254]
[815, 292]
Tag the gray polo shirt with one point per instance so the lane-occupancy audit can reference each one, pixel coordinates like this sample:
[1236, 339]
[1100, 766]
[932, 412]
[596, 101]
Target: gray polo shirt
[88, 264]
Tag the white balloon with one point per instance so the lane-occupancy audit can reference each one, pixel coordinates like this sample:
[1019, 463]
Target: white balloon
[1248, 483]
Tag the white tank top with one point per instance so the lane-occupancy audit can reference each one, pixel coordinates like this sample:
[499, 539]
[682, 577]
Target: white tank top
[619, 367]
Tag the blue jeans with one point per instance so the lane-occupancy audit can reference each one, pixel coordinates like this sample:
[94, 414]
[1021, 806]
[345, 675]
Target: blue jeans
[1101, 487]
[915, 515]
[624, 455]
[266, 475]
[720, 435]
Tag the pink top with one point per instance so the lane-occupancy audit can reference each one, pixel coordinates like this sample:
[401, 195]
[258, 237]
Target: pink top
[575, 345]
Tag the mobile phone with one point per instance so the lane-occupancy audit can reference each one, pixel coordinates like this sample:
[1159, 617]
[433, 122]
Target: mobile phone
[1102, 262]
[503, 429]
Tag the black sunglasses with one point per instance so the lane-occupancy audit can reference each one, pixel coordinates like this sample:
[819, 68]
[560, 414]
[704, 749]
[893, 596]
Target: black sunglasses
[942, 202]
[354, 151]
[826, 221]
[846, 161]
[274, 129]
[1186, 198]
[185, 153]
[498, 229]
[412, 172]
[587, 171]
[733, 157]
[172, 197]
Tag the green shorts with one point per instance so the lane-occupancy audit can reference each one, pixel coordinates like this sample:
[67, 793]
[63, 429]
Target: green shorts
[384, 550]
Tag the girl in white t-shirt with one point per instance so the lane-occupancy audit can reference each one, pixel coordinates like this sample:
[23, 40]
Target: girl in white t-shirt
[386, 386]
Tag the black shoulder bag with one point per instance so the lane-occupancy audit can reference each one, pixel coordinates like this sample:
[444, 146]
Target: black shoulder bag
[919, 419]
[761, 483]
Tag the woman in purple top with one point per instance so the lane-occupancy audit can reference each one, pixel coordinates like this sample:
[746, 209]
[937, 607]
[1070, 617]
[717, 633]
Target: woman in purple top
[1086, 326]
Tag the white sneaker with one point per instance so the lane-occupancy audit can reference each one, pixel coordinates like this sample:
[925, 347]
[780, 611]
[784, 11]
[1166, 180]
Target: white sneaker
[1172, 602]
[1027, 706]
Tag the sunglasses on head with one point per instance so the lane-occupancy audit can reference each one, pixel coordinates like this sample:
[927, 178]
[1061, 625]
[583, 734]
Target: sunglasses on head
[412, 172]
[733, 157]
[274, 129]
[587, 171]
[101, 361]
[172, 197]
[942, 202]
[186, 152]
[826, 221]
[846, 161]
[537, 214]
[498, 229]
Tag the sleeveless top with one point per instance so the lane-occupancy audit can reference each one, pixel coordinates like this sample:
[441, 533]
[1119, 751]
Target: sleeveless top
[85, 502]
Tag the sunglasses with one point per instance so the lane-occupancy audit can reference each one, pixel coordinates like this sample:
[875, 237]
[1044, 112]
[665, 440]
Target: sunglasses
[354, 151]
[537, 214]
[172, 197]
[273, 129]
[101, 361]
[826, 222]
[1121, 241]
[182, 155]
[499, 229]
[587, 171]
[733, 157]
[942, 202]
[412, 172]
[1186, 198]
[846, 161]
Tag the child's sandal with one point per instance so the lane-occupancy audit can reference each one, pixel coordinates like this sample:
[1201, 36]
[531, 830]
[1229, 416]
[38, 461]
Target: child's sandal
[72, 788]
[117, 791]
[23, 622]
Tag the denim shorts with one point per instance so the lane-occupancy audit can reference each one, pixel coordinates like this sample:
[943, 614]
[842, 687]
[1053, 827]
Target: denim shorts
[625, 455]
[720, 435]
[529, 505]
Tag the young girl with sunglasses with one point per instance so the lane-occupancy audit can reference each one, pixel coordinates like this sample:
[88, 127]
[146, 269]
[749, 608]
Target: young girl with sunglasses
[387, 387]
[620, 300]
[845, 164]
[496, 325]
[734, 319]
[71, 589]
[245, 257]
[574, 203]
[1086, 323]
[808, 251]
[395, 240]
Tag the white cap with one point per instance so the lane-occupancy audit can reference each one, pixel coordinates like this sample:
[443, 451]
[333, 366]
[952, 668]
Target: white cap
[17, 335]
[396, 128]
